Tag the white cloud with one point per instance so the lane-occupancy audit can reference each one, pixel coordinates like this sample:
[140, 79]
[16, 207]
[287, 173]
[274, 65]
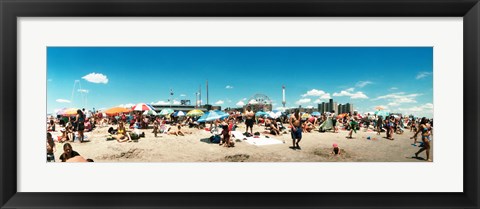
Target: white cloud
[253, 102]
[83, 90]
[240, 103]
[309, 106]
[400, 97]
[63, 101]
[317, 101]
[426, 109]
[96, 78]
[126, 105]
[160, 103]
[349, 93]
[229, 87]
[326, 96]
[244, 99]
[421, 75]
[314, 92]
[175, 102]
[183, 95]
[393, 104]
[362, 84]
[219, 102]
[303, 101]
[393, 88]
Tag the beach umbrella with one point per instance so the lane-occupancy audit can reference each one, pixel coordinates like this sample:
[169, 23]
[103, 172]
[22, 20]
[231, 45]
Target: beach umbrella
[316, 114]
[195, 113]
[61, 111]
[382, 113]
[260, 114]
[70, 112]
[166, 111]
[117, 110]
[149, 112]
[379, 108]
[342, 115]
[306, 116]
[142, 107]
[274, 115]
[211, 116]
[179, 114]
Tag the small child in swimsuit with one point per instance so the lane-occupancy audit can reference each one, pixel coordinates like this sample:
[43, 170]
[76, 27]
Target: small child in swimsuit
[336, 149]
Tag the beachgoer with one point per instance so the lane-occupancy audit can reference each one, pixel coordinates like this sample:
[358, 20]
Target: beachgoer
[79, 120]
[379, 125]
[296, 130]
[122, 134]
[274, 130]
[353, 125]
[336, 149]
[51, 149]
[226, 133]
[249, 115]
[334, 121]
[69, 130]
[51, 126]
[155, 127]
[68, 152]
[426, 129]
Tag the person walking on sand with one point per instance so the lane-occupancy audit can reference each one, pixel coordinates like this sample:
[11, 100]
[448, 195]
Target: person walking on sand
[295, 123]
[80, 121]
[426, 129]
[353, 125]
[249, 119]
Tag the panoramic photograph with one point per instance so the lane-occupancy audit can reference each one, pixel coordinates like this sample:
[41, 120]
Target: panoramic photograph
[239, 104]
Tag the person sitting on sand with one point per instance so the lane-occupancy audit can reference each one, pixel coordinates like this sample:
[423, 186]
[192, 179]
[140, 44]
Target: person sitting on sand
[307, 126]
[122, 134]
[68, 152]
[274, 129]
[51, 149]
[336, 149]
[63, 137]
[226, 135]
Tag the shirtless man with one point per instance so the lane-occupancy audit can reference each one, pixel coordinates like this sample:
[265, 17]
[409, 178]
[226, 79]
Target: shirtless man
[295, 123]
[249, 115]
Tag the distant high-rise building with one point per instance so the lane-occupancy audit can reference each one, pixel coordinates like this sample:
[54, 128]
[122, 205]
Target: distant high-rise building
[330, 105]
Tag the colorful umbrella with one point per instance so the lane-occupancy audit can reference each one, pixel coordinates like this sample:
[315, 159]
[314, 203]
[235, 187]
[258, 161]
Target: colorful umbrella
[260, 114]
[382, 113]
[166, 111]
[195, 113]
[306, 116]
[142, 107]
[149, 112]
[342, 115]
[212, 115]
[117, 110]
[179, 114]
[70, 112]
[316, 114]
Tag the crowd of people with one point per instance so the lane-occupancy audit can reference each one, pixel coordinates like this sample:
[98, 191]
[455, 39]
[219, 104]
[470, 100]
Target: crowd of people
[128, 127]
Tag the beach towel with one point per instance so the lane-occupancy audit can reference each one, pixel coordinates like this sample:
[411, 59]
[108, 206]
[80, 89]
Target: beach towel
[238, 135]
[262, 141]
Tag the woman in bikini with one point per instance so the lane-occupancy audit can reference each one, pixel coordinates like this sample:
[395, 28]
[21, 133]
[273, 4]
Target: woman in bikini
[426, 129]
[79, 120]
[122, 135]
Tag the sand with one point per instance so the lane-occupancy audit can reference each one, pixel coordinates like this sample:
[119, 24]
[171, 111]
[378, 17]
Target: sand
[316, 147]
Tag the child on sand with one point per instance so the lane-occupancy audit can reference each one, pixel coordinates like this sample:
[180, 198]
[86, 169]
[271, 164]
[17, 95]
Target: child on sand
[336, 149]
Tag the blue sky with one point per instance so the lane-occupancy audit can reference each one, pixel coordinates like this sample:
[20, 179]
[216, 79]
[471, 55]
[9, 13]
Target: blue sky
[397, 78]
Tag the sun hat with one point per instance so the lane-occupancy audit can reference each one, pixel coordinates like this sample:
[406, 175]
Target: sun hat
[335, 145]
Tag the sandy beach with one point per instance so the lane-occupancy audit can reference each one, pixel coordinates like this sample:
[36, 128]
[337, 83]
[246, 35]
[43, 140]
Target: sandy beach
[195, 147]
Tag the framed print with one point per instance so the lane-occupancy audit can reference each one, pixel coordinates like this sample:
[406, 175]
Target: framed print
[157, 85]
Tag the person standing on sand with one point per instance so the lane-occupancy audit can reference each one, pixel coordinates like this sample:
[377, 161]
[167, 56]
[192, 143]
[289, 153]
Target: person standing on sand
[295, 123]
[249, 119]
[80, 121]
[426, 129]
[353, 125]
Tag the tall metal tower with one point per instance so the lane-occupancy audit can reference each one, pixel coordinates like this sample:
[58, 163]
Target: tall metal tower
[283, 96]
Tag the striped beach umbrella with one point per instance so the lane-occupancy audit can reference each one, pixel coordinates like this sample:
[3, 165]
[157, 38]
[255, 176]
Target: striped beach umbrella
[179, 114]
[142, 107]
[195, 113]
[166, 111]
[149, 112]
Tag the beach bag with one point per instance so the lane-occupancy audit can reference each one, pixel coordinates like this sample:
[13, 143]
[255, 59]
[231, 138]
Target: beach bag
[134, 136]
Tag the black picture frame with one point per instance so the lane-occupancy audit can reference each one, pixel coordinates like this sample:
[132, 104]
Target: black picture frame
[11, 9]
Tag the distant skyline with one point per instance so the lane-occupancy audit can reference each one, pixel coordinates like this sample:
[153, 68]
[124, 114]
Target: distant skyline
[398, 78]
